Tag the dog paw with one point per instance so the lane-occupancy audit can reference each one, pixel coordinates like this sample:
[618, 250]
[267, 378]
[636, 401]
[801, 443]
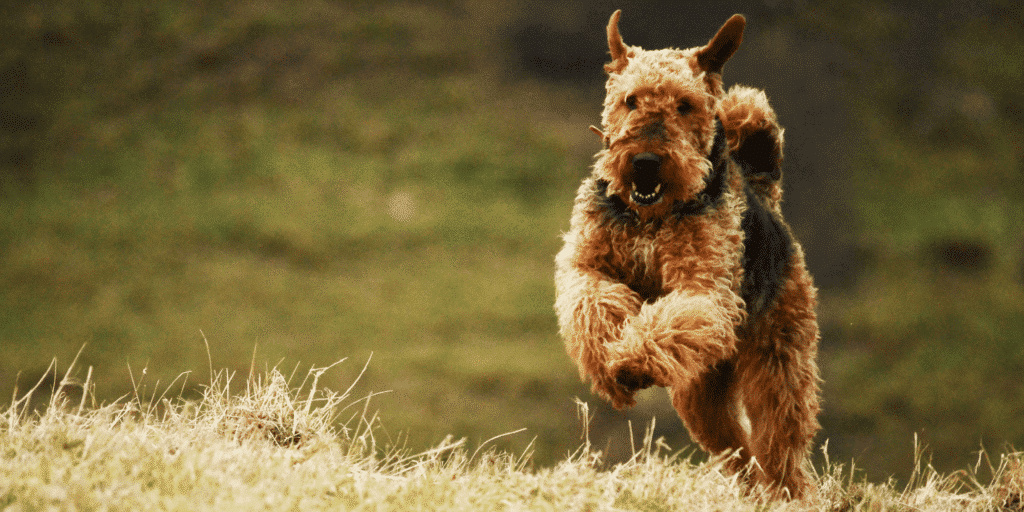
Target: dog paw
[622, 400]
[633, 379]
[619, 397]
[632, 376]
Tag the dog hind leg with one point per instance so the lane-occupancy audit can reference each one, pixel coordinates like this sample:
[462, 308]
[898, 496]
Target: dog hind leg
[780, 389]
[709, 410]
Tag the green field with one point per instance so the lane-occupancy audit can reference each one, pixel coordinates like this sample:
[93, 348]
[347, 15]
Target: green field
[297, 183]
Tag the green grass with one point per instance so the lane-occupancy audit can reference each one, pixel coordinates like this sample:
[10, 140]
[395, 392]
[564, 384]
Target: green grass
[916, 322]
[298, 251]
[271, 442]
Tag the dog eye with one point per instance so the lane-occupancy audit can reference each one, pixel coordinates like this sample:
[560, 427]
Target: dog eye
[684, 107]
[631, 101]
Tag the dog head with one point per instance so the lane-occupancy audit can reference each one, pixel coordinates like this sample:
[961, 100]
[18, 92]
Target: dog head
[659, 119]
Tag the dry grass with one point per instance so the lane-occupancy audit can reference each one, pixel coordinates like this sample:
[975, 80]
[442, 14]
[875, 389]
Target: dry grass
[273, 445]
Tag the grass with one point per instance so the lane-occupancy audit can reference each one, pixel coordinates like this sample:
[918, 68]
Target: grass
[270, 444]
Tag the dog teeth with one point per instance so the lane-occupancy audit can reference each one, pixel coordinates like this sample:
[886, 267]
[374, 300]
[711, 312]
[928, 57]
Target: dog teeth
[646, 198]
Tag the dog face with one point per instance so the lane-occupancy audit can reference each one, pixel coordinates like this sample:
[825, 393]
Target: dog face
[659, 119]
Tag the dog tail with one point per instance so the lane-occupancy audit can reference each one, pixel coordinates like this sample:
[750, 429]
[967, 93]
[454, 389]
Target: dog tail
[755, 140]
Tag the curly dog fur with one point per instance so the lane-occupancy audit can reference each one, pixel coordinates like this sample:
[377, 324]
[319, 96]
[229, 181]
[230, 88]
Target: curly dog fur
[678, 269]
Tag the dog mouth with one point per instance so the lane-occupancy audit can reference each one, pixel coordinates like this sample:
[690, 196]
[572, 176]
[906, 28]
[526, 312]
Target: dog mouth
[648, 188]
[646, 199]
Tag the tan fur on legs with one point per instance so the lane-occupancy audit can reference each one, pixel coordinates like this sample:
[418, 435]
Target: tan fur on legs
[678, 270]
[710, 409]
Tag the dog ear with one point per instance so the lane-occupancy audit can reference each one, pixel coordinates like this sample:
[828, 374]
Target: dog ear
[712, 57]
[615, 45]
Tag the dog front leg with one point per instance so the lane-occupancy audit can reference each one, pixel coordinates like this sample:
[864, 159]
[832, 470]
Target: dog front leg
[591, 311]
[673, 340]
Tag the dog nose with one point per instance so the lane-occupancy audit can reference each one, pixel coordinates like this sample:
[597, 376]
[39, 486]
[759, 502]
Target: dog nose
[646, 162]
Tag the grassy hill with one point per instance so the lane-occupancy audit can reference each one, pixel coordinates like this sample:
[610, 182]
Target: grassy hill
[266, 443]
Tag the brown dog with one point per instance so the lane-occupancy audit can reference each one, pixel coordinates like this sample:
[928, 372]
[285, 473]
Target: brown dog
[678, 269]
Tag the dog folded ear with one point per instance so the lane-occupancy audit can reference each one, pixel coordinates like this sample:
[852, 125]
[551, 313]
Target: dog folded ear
[712, 57]
[615, 45]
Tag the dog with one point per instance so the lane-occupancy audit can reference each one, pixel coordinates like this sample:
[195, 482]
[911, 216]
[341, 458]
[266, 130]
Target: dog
[678, 269]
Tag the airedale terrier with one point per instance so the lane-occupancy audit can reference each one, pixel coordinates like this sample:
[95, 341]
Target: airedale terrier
[678, 269]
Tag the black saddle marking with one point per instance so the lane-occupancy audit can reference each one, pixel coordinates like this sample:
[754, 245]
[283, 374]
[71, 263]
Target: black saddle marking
[767, 254]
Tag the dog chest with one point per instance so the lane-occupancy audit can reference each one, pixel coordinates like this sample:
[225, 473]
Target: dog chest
[645, 278]
[652, 263]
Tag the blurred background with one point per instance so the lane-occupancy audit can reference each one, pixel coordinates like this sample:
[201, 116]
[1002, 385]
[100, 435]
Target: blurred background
[306, 181]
